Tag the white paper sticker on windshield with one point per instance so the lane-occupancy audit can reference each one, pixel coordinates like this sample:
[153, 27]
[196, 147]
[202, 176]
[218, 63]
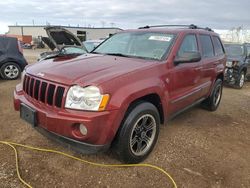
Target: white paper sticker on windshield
[160, 38]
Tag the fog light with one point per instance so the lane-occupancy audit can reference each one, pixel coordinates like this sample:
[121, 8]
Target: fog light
[83, 129]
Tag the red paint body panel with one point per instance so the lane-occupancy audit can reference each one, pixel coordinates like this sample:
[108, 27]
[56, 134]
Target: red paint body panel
[125, 80]
[101, 125]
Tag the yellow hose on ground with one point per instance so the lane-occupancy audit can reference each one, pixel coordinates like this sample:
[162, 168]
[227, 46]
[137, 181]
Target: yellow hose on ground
[12, 145]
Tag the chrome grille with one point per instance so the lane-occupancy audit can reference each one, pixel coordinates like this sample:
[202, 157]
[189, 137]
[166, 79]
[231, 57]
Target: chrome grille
[43, 91]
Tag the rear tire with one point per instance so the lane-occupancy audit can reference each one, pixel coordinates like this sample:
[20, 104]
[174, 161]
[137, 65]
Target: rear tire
[138, 133]
[10, 71]
[240, 81]
[213, 101]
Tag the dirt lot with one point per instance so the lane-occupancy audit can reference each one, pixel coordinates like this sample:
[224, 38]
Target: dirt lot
[198, 148]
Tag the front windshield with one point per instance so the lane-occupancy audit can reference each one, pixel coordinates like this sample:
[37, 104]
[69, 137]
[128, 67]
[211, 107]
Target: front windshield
[90, 45]
[234, 50]
[72, 50]
[148, 45]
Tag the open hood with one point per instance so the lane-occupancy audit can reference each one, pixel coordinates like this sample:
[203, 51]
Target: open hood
[60, 38]
[49, 43]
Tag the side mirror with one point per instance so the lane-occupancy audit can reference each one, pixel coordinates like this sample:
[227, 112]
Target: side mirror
[187, 57]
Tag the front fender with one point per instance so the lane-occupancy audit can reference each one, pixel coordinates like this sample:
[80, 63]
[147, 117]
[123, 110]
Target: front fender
[126, 94]
[242, 67]
[130, 92]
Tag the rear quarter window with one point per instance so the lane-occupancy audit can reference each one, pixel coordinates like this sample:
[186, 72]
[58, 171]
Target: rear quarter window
[218, 48]
[206, 46]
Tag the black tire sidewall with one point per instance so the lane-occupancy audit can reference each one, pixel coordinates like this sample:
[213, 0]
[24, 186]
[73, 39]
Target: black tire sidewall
[217, 84]
[123, 140]
[208, 103]
[4, 66]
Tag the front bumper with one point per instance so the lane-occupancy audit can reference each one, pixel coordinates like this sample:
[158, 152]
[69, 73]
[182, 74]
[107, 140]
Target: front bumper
[60, 124]
[73, 144]
[231, 75]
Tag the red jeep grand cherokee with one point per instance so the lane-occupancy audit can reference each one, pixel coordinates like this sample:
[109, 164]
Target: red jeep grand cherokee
[119, 94]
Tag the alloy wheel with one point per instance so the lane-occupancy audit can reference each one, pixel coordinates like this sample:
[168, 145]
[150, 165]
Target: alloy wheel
[11, 71]
[143, 135]
[242, 80]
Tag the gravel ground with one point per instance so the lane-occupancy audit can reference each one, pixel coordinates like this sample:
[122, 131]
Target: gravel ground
[198, 148]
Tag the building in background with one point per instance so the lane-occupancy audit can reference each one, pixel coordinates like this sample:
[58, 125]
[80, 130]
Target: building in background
[237, 34]
[84, 33]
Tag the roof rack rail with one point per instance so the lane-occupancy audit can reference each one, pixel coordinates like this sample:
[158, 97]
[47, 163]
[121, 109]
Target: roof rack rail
[191, 26]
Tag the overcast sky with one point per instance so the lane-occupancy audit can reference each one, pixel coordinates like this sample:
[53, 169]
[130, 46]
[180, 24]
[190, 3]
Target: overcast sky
[217, 14]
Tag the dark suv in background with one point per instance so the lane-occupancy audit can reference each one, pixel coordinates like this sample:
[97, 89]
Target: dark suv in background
[238, 64]
[118, 95]
[12, 61]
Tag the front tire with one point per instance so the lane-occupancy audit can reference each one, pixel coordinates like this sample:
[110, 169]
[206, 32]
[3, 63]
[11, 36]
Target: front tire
[213, 101]
[10, 71]
[138, 133]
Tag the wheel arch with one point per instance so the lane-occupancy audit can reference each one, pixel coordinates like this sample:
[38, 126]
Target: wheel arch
[152, 98]
[220, 76]
[11, 60]
[244, 69]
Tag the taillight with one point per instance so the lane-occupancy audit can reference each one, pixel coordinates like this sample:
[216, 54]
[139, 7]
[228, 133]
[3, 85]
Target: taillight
[19, 47]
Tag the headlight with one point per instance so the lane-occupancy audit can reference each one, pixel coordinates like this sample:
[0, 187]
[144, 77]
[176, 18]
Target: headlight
[88, 98]
[235, 63]
[229, 64]
[22, 77]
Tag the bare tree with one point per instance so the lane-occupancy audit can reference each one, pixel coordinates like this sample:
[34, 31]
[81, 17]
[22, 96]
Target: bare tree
[103, 23]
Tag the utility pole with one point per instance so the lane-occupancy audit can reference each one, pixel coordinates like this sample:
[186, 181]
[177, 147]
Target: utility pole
[22, 30]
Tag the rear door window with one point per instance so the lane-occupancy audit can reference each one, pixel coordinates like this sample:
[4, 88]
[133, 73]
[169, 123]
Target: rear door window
[218, 48]
[206, 46]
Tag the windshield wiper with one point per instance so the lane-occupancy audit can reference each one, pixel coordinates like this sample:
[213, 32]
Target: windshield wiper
[118, 54]
[92, 52]
[124, 55]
